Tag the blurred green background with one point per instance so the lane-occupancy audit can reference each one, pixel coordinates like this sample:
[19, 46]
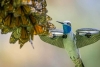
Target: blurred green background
[82, 13]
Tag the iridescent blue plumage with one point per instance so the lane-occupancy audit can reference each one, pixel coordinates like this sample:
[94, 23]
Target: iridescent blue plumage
[66, 29]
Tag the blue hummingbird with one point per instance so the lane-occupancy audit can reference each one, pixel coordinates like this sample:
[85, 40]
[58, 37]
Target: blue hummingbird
[71, 42]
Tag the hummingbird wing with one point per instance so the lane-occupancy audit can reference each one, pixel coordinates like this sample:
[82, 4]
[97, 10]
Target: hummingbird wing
[56, 41]
[86, 36]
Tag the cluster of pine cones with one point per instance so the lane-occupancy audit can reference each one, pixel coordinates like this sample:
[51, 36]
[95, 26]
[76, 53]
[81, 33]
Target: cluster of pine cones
[24, 19]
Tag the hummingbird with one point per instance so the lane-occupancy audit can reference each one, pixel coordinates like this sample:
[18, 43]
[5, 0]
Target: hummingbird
[71, 42]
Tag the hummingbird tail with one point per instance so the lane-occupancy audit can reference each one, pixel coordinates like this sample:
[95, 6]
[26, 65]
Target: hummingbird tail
[78, 62]
[83, 65]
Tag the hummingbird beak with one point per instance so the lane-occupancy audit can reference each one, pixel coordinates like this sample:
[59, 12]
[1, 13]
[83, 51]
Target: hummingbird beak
[60, 22]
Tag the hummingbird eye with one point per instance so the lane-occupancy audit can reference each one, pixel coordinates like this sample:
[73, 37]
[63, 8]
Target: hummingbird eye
[68, 24]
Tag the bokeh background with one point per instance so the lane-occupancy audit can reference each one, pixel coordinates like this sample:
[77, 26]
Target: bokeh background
[82, 13]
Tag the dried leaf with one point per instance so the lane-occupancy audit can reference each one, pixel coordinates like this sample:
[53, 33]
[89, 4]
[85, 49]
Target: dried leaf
[13, 39]
[19, 18]
[44, 4]
[48, 18]
[24, 33]
[22, 10]
[42, 19]
[38, 29]
[15, 35]
[5, 30]
[32, 19]
[10, 8]
[18, 12]
[26, 9]
[17, 21]
[33, 3]
[17, 3]
[7, 20]
[22, 42]
[24, 21]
